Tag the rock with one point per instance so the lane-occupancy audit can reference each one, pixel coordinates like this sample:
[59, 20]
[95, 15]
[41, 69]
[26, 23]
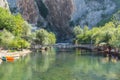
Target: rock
[57, 15]
[60, 12]
[80, 12]
[13, 6]
[4, 4]
[29, 10]
[91, 12]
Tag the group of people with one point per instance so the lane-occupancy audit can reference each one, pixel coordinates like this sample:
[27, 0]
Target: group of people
[108, 50]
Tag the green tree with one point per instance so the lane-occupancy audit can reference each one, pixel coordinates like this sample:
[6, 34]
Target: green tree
[5, 38]
[19, 25]
[13, 28]
[44, 38]
[19, 43]
[41, 37]
[85, 29]
[77, 30]
[26, 32]
[52, 38]
[12, 23]
[26, 29]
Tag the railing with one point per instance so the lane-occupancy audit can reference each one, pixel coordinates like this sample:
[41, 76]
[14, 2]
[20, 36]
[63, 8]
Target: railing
[65, 46]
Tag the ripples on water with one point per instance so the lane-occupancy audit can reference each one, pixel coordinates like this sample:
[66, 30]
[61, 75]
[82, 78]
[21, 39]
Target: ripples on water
[54, 65]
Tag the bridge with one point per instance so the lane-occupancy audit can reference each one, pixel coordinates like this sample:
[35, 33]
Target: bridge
[66, 46]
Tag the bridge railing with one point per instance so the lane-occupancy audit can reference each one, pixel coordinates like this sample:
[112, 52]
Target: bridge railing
[62, 46]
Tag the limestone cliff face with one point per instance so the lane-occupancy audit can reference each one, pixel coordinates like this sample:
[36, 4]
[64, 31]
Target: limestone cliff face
[91, 12]
[80, 12]
[4, 4]
[28, 9]
[13, 6]
[59, 14]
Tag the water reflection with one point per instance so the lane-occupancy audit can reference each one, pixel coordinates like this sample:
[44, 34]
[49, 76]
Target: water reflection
[96, 68]
[52, 65]
[109, 59]
[42, 61]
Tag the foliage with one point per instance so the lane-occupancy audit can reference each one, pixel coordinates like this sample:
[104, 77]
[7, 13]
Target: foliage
[19, 25]
[116, 18]
[26, 32]
[77, 30]
[13, 30]
[85, 29]
[44, 38]
[52, 38]
[19, 43]
[12, 23]
[109, 33]
[84, 36]
[16, 33]
[26, 29]
[5, 38]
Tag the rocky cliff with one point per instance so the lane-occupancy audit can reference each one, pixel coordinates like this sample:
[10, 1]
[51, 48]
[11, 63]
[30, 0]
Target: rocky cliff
[61, 14]
[4, 4]
[13, 5]
[91, 12]
[79, 12]
[28, 9]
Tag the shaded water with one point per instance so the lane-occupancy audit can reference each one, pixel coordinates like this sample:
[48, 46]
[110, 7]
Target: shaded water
[54, 65]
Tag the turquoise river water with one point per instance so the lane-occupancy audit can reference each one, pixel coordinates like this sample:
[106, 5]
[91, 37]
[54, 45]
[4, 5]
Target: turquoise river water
[61, 65]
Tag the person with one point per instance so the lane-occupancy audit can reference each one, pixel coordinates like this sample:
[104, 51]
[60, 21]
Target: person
[116, 53]
[109, 50]
[109, 53]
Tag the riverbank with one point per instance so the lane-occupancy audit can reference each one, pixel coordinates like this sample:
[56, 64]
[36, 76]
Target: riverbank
[15, 54]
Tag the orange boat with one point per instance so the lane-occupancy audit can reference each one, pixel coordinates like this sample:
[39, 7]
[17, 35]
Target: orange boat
[9, 58]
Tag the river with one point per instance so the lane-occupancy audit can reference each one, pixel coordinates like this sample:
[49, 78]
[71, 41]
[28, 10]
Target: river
[61, 65]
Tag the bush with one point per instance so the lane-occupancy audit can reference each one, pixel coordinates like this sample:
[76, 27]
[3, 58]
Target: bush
[13, 29]
[109, 33]
[77, 30]
[12, 23]
[19, 43]
[45, 38]
[5, 38]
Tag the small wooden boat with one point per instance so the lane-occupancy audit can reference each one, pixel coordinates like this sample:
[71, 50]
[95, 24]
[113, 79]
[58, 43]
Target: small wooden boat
[3, 58]
[8, 58]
